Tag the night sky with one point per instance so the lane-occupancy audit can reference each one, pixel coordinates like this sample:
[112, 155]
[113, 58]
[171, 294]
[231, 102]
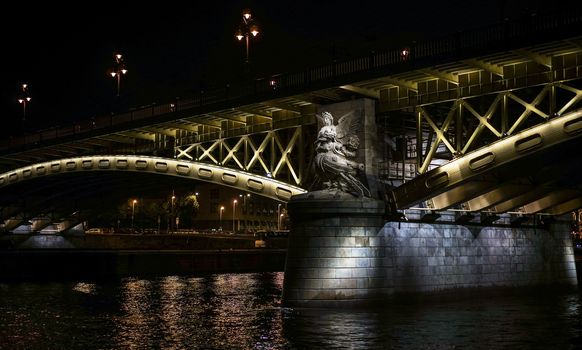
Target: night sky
[171, 49]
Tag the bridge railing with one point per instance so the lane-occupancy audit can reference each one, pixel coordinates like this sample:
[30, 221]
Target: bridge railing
[461, 44]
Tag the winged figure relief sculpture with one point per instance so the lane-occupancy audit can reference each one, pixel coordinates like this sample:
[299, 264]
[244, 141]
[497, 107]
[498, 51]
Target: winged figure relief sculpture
[335, 148]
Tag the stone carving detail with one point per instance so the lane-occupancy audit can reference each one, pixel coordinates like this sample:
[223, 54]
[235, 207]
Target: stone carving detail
[335, 147]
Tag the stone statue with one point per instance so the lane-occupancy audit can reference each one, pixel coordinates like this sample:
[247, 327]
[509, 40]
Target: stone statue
[335, 147]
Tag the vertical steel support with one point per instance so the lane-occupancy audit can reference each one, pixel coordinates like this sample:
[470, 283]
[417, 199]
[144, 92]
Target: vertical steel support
[459, 129]
[272, 165]
[418, 140]
[552, 97]
[220, 151]
[301, 159]
[504, 115]
[246, 153]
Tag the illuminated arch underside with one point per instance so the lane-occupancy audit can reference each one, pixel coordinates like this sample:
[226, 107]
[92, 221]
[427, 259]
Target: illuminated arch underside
[261, 185]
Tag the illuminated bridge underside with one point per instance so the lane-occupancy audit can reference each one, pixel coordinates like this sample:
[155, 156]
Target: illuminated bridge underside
[533, 171]
[162, 166]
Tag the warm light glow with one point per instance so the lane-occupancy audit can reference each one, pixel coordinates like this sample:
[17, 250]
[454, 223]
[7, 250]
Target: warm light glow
[113, 74]
[118, 56]
[221, 208]
[247, 14]
[254, 30]
[173, 197]
[239, 34]
[124, 71]
[28, 99]
[24, 86]
[134, 201]
[234, 201]
[20, 100]
[281, 215]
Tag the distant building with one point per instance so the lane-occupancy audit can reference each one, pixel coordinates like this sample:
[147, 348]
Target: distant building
[251, 211]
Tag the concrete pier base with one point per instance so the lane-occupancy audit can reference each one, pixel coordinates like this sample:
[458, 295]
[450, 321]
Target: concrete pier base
[336, 252]
[342, 253]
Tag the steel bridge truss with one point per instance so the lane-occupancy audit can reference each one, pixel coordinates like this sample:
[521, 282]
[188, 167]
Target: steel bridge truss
[474, 122]
[280, 154]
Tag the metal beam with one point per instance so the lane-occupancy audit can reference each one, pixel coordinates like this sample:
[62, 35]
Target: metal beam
[231, 118]
[496, 196]
[212, 123]
[551, 199]
[488, 67]
[187, 127]
[117, 139]
[400, 83]
[537, 58]
[362, 91]
[448, 77]
[282, 105]
[249, 110]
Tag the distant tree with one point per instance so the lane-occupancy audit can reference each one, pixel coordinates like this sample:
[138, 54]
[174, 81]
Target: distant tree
[188, 209]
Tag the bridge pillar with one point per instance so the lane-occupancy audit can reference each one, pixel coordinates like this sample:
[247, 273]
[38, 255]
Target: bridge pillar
[342, 253]
[336, 254]
[445, 256]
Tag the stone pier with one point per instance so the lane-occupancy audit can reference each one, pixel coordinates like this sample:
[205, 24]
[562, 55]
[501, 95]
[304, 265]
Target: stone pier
[342, 253]
[336, 253]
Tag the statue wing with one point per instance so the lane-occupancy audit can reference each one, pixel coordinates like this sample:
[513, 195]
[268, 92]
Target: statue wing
[321, 122]
[348, 124]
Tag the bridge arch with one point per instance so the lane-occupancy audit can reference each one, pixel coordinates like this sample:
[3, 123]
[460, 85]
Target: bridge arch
[260, 185]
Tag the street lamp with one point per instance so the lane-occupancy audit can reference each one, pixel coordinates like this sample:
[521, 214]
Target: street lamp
[247, 28]
[133, 212]
[118, 70]
[233, 214]
[220, 218]
[172, 219]
[24, 99]
[278, 216]
[279, 222]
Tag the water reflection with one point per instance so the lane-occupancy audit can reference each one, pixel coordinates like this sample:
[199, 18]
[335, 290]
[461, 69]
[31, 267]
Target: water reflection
[243, 311]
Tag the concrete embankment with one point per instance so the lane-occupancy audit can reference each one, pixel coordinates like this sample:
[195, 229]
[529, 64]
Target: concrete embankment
[112, 256]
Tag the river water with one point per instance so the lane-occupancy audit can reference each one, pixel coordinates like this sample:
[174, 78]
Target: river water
[243, 311]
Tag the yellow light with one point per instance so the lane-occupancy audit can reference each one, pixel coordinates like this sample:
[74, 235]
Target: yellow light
[124, 71]
[113, 74]
[134, 201]
[239, 34]
[247, 14]
[118, 56]
[254, 30]
[235, 201]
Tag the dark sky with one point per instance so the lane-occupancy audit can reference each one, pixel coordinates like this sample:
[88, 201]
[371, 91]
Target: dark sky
[177, 48]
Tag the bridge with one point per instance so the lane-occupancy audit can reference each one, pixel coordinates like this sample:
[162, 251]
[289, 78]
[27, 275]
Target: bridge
[484, 121]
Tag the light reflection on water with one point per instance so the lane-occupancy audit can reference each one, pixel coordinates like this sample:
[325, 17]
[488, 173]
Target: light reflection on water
[243, 311]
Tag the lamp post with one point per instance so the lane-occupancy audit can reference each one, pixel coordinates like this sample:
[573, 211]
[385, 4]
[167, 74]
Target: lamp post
[220, 218]
[278, 216]
[133, 212]
[247, 28]
[279, 222]
[172, 219]
[24, 99]
[118, 70]
[233, 214]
